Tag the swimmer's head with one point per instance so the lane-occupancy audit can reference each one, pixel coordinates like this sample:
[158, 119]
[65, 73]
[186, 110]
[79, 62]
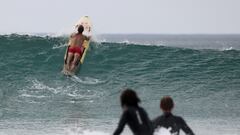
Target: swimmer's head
[166, 104]
[80, 29]
[129, 98]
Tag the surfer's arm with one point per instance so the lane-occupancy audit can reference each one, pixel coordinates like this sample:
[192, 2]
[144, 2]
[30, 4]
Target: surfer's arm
[69, 42]
[155, 122]
[186, 128]
[121, 124]
[70, 39]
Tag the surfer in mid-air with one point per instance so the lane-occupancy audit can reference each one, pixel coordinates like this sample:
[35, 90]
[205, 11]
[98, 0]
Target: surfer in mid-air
[75, 49]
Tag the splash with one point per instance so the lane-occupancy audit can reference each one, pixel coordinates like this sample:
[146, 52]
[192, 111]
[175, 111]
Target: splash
[163, 131]
[86, 80]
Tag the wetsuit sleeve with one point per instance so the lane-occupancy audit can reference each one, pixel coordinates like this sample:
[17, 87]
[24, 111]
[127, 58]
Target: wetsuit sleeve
[186, 128]
[155, 123]
[149, 123]
[121, 124]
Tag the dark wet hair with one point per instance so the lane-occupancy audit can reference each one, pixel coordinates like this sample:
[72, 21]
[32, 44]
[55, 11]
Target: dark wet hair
[80, 29]
[129, 98]
[166, 103]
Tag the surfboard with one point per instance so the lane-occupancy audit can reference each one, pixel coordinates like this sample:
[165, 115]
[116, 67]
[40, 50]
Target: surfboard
[86, 23]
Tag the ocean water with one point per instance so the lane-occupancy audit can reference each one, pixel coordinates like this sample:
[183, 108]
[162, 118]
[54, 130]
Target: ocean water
[200, 72]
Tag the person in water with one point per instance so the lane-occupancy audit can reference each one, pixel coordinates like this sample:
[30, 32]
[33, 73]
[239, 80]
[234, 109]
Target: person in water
[133, 115]
[168, 120]
[76, 48]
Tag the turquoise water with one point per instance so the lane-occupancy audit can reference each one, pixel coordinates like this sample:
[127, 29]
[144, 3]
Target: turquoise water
[200, 72]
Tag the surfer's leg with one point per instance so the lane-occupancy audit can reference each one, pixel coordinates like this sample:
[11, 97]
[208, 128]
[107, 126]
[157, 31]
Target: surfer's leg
[75, 60]
[69, 58]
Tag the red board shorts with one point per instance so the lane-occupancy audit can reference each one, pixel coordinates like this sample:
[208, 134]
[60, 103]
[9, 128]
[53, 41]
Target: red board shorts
[76, 49]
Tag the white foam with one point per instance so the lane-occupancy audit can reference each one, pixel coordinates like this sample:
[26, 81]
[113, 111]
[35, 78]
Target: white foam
[86, 80]
[163, 131]
[56, 46]
[35, 96]
[42, 53]
[36, 91]
[48, 58]
[80, 131]
[75, 95]
[227, 49]
[40, 86]
[127, 42]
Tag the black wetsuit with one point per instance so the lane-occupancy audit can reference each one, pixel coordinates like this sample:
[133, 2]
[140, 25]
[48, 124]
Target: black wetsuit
[137, 119]
[167, 120]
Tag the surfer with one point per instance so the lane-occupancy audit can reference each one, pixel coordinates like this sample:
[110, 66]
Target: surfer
[168, 120]
[133, 115]
[76, 48]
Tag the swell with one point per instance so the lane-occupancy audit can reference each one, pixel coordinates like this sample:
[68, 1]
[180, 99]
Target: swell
[31, 72]
[22, 55]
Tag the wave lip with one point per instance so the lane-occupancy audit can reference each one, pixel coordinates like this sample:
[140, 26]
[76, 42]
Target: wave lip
[216, 42]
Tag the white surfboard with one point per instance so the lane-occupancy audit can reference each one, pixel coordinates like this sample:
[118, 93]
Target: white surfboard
[86, 23]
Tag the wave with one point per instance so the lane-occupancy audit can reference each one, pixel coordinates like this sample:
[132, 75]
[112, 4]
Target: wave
[46, 54]
[215, 42]
[194, 70]
[227, 49]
